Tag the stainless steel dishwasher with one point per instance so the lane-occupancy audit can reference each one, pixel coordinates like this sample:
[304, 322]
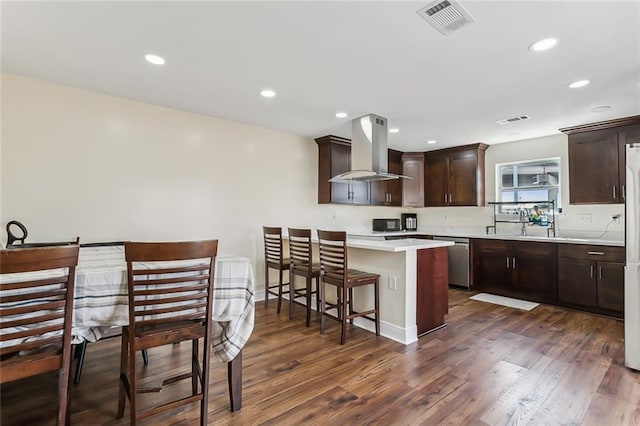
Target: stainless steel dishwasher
[458, 261]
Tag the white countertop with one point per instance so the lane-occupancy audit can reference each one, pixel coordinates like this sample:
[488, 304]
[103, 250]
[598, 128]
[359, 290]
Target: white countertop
[396, 245]
[475, 234]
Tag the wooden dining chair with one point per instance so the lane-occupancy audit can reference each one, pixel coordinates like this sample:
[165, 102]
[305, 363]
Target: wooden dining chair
[335, 271]
[301, 263]
[170, 289]
[274, 259]
[36, 311]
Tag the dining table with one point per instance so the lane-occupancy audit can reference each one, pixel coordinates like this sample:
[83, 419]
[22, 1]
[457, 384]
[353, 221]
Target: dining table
[101, 303]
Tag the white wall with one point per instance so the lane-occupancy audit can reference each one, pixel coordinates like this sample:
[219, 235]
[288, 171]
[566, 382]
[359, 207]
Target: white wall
[76, 162]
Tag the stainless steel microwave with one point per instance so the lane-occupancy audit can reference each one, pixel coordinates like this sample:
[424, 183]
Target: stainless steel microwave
[386, 225]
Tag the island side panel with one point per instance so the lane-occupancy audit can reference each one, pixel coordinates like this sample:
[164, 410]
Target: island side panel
[432, 292]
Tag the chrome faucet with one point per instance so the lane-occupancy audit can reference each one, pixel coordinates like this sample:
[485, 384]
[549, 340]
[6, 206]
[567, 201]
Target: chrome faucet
[523, 219]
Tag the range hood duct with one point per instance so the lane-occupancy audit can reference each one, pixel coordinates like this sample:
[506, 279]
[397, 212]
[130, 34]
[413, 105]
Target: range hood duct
[369, 155]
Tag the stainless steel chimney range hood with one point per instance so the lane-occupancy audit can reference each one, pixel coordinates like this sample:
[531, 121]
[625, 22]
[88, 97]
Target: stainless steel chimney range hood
[369, 155]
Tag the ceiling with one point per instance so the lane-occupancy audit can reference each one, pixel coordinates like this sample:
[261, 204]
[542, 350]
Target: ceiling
[355, 57]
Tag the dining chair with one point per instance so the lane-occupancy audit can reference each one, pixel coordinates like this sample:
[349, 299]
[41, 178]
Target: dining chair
[301, 263]
[36, 310]
[274, 259]
[335, 271]
[170, 286]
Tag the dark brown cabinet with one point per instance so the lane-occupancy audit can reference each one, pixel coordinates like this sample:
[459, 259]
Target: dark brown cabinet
[455, 176]
[389, 192]
[334, 157]
[413, 189]
[592, 277]
[518, 269]
[597, 160]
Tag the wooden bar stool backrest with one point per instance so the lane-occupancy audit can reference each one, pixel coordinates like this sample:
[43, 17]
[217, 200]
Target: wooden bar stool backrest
[36, 311]
[300, 251]
[170, 289]
[332, 247]
[273, 247]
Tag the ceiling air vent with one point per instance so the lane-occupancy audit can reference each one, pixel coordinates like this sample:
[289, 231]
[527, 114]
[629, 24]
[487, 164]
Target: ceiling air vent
[513, 119]
[446, 16]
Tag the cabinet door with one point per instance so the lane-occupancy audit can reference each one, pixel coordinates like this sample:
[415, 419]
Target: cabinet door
[593, 167]
[394, 186]
[360, 192]
[340, 162]
[413, 189]
[463, 169]
[534, 269]
[491, 267]
[436, 180]
[577, 282]
[611, 286]
[389, 192]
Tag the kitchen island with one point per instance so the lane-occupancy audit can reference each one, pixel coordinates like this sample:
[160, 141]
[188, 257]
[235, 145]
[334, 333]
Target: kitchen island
[413, 284]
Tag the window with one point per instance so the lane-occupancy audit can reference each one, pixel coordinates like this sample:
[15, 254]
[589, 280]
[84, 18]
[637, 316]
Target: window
[524, 181]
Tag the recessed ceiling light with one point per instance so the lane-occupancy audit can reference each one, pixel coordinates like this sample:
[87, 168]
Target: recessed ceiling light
[394, 130]
[601, 108]
[541, 45]
[341, 114]
[267, 93]
[579, 83]
[431, 142]
[154, 59]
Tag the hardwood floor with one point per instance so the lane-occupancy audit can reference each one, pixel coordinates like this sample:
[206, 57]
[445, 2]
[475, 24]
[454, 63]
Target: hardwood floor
[491, 365]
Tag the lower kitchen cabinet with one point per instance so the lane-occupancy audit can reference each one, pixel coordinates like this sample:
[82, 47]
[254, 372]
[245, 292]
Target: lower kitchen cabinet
[520, 269]
[591, 278]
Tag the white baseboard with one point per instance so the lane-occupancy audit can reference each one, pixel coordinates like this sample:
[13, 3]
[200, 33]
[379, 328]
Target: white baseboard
[402, 335]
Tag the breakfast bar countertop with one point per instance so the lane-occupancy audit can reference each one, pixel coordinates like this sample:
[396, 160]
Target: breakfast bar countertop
[396, 245]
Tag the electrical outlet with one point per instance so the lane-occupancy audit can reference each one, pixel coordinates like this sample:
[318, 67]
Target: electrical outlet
[393, 283]
[615, 218]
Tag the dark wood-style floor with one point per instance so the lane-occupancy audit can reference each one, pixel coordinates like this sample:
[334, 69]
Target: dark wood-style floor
[491, 365]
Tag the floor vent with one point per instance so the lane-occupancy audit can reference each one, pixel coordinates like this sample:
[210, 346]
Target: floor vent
[513, 119]
[446, 16]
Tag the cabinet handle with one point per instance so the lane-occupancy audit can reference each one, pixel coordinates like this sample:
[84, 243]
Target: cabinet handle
[514, 263]
[445, 198]
[599, 272]
[507, 262]
[450, 198]
[614, 192]
[597, 253]
[591, 274]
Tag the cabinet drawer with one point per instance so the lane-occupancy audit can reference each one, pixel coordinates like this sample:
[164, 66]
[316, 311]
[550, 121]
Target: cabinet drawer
[597, 253]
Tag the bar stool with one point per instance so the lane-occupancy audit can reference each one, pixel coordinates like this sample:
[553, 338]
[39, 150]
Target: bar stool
[273, 259]
[301, 263]
[335, 271]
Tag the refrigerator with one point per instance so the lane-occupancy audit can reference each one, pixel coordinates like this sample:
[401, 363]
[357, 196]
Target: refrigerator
[632, 268]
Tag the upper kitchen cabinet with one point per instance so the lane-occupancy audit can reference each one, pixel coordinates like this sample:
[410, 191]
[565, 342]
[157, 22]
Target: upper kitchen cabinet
[455, 176]
[334, 157]
[597, 160]
[389, 192]
[413, 189]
